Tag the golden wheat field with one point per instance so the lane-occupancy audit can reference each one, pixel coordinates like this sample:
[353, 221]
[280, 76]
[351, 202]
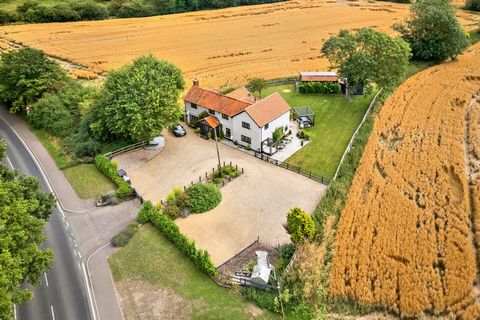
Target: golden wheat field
[220, 47]
[409, 234]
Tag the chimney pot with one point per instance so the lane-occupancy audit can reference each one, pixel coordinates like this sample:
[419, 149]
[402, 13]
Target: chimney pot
[196, 82]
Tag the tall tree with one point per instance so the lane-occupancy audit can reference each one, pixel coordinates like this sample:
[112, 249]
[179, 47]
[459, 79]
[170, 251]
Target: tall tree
[25, 75]
[139, 100]
[367, 56]
[433, 31]
[473, 5]
[257, 85]
[24, 208]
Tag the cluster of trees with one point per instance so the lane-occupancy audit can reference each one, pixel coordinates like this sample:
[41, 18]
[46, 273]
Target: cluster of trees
[431, 32]
[34, 11]
[473, 5]
[24, 210]
[135, 104]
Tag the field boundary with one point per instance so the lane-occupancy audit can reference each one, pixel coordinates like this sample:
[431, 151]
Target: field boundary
[349, 146]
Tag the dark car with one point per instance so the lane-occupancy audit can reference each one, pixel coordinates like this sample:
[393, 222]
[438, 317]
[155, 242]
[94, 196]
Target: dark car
[178, 130]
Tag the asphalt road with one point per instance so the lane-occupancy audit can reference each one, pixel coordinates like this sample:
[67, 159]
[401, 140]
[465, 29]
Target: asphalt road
[62, 293]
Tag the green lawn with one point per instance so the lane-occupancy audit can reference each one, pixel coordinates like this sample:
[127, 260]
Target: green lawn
[335, 121]
[87, 181]
[149, 258]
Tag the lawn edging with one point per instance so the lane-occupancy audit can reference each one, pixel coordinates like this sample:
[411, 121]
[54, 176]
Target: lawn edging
[200, 257]
[108, 168]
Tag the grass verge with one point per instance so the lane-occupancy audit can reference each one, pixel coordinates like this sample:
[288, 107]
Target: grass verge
[87, 181]
[151, 263]
[336, 118]
[53, 148]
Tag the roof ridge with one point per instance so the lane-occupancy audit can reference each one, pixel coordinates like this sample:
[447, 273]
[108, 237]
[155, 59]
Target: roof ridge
[221, 94]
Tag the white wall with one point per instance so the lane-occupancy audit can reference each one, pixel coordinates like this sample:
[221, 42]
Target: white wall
[253, 133]
[282, 121]
[225, 123]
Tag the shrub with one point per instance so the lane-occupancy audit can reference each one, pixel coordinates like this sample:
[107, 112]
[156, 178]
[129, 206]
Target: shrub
[278, 134]
[473, 5]
[300, 225]
[7, 17]
[319, 87]
[203, 114]
[172, 196]
[203, 197]
[109, 169]
[132, 9]
[172, 211]
[145, 214]
[170, 230]
[124, 236]
[183, 201]
[63, 13]
[50, 114]
[91, 11]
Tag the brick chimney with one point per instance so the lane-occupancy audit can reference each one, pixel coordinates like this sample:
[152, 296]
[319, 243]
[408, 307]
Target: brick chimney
[196, 83]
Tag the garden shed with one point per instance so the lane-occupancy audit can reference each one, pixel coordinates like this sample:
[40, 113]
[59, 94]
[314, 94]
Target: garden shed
[305, 116]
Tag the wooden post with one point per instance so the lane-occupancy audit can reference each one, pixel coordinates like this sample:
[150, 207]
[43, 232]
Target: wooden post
[206, 174]
[242, 170]
[310, 175]
[200, 179]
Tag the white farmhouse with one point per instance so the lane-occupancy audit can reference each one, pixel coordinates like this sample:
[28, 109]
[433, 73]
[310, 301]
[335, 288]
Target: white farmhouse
[241, 117]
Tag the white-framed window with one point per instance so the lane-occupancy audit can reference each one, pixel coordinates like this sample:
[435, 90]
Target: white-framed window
[266, 126]
[211, 111]
[193, 105]
[245, 125]
[246, 139]
[224, 116]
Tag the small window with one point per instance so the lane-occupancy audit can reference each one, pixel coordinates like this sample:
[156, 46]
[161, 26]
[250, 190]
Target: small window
[211, 111]
[193, 105]
[266, 126]
[245, 125]
[246, 139]
[224, 116]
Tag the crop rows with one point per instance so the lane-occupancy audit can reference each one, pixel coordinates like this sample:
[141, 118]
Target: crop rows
[406, 239]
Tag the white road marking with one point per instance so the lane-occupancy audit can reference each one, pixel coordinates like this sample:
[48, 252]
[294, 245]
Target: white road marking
[78, 265]
[79, 255]
[76, 253]
[14, 312]
[9, 163]
[53, 313]
[75, 243]
[68, 224]
[88, 290]
[46, 279]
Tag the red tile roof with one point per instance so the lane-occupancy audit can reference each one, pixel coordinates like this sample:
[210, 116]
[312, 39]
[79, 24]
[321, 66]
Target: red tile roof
[319, 78]
[242, 94]
[268, 109]
[215, 101]
[212, 122]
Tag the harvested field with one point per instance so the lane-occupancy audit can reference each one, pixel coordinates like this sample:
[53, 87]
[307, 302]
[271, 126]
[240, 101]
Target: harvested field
[221, 47]
[407, 236]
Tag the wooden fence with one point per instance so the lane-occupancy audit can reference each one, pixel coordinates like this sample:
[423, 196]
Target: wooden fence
[129, 148]
[296, 169]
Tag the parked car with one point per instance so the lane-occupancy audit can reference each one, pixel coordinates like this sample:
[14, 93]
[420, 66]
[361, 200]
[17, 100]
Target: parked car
[178, 130]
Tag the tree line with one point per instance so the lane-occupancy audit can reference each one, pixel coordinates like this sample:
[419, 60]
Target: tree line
[33, 11]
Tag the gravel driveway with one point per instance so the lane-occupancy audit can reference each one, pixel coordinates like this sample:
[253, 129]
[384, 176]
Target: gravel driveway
[253, 205]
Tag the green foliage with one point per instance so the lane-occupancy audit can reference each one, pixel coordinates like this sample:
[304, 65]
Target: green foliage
[51, 115]
[139, 100]
[130, 9]
[257, 85]
[24, 209]
[203, 197]
[320, 87]
[6, 17]
[278, 134]
[183, 201]
[90, 10]
[172, 196]
[124, 236]
[170, 230]
[25, 75]
[473, 5]
[62, 13]
[203, 114]
[368, 56]
[109, 169]
[300, 225]
[433, 31]
[172, 211]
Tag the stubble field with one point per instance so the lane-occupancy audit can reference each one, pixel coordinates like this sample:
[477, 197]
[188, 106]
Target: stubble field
[221, 47]
[408, 236]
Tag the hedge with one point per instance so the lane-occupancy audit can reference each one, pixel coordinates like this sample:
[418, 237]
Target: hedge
[170, 230]
[109, 169]
[203, 197]
[320, 87]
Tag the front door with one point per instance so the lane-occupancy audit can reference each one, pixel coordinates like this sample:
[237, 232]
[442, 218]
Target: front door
[228, 133]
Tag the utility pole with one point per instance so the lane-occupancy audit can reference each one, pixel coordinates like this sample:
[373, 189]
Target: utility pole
[218, 152]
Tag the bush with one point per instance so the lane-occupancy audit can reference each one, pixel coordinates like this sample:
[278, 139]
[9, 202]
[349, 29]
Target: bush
[172, 211]
[109, 169]
[7, 17]
[122, 239]
[203, 197]
[300, 225]
[320, 87]
[183, 201]
[278, 134]
[172, 196]
[91, 11]
[50, 114]
[473, 5]
[131, 9]
[170, 230]
[62, 13]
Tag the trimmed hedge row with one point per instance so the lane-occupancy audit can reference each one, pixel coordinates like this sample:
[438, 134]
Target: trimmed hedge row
[170, 230]
[109, 169]
[203, 197]
[320, 87]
